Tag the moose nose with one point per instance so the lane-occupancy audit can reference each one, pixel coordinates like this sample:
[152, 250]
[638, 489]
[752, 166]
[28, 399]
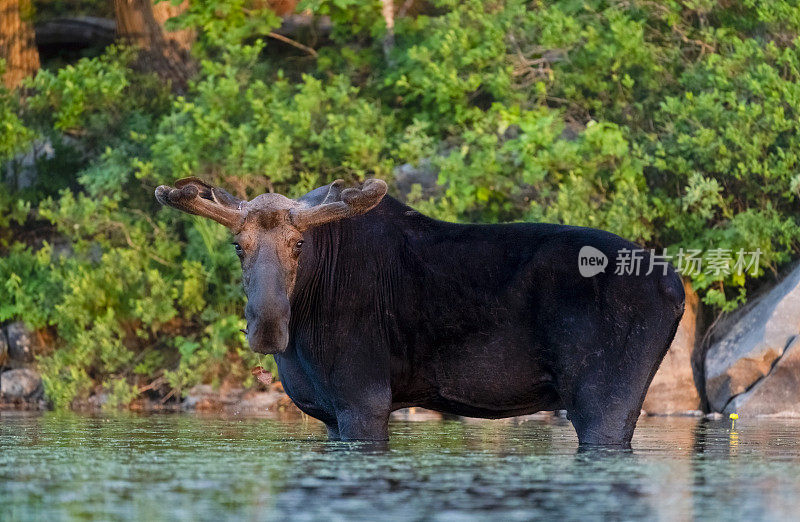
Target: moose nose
[268, 326]
[270, 339]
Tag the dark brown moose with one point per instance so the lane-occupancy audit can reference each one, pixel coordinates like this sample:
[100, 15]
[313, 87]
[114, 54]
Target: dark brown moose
[370, 306]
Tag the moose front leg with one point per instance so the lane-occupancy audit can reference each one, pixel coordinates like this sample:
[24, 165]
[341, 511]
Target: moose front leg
[364, 415]
[363, 424]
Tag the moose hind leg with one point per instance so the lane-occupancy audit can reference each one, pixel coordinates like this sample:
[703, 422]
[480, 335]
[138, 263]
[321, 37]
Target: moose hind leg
[333, 431]
[608, 420]
[604, 400]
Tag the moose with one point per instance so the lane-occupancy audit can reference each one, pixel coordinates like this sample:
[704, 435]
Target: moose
[370, 306]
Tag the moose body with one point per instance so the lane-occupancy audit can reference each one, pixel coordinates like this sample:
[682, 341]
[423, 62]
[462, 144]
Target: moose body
[386, 308]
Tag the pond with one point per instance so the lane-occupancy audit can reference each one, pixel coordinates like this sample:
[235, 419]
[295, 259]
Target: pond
[68, 466]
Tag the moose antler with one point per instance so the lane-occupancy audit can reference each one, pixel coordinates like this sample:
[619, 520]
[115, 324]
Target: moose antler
[320, 206]
[353, 202]
[194, 196]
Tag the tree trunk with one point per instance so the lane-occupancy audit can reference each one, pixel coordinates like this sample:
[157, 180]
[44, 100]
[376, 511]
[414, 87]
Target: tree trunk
[387, 9]
[17, 44]
[141, 23]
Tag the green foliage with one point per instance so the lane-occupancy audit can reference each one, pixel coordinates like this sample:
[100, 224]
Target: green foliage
[94, 98]
[516, 165]
[270, 133]
[674, 124]
[13, 211]
[730, 140]
[354, 20]
[225, 22]
[451, 65]
[603, 63]
[14, 135]
[76, 96]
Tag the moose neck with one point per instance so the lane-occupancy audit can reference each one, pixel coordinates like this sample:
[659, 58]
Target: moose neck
[346, 267]
[394, 264]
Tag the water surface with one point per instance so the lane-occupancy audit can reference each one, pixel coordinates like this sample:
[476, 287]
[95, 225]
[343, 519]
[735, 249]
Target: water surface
[68, 466]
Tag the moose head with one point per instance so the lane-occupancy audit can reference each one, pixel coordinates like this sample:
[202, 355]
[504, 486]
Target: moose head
[268, 238]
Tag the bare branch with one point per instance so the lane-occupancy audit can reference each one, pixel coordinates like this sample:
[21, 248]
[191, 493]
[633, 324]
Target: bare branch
[293, 43]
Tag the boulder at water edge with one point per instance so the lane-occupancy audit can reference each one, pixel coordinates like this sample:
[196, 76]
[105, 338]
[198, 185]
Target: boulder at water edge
[752, 345]
[22, 384]
[673, 390]
[778, 393]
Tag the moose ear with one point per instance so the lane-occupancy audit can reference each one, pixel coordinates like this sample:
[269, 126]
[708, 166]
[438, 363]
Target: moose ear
[324, 194]
[195, 196]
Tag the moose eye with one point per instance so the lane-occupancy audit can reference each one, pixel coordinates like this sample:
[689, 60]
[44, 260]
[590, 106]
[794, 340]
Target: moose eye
[238, 248]
[299, 243]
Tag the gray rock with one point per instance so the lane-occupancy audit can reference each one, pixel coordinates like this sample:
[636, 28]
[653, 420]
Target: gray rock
[199, 395]
[21, 171]
[22, 343]
[256, 402]
[425, 175]
[778, 393]
[751, 342]
[204, 397]
[97, 400]
[673, 390]
[22, 384]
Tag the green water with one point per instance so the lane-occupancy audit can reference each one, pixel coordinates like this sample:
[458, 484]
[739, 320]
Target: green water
[67, 466]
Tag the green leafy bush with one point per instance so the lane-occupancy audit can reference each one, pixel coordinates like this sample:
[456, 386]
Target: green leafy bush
[14, 135]
[258, 134]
